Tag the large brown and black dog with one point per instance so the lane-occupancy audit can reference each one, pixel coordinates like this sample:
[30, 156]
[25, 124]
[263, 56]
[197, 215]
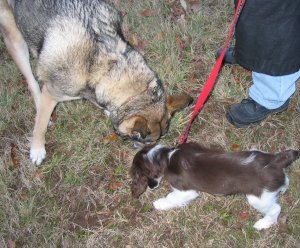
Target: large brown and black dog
[81, 53]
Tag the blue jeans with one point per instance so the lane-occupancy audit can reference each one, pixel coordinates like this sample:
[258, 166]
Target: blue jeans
[272, 91]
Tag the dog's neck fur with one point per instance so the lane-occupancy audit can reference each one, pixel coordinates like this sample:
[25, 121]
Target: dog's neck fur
[160, 155]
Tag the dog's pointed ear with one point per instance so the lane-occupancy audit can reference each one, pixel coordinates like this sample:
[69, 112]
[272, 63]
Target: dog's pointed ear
[140, 127]
[178, 101]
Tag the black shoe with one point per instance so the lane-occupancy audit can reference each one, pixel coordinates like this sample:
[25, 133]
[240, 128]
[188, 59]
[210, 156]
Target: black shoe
[250, 113]
[229, 56]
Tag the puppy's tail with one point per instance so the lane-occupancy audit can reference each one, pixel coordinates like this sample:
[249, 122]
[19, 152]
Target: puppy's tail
[285, 158]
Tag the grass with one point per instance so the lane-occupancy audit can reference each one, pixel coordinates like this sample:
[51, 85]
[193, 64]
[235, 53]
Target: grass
[80, 196]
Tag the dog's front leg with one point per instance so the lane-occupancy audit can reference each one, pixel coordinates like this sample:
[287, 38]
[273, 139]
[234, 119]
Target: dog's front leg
[177, 198]
[18, 49]
[44, 110]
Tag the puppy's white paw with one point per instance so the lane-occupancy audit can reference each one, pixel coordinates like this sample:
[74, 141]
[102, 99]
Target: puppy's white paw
[37, 155]
[163, 204]
[264, 223]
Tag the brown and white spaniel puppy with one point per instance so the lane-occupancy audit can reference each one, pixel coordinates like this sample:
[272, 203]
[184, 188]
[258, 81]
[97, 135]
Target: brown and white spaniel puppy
[190, 168]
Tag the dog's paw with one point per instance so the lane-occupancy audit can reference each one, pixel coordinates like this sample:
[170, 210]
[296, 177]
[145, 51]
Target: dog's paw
[163, 204]
[264, 223]
[37, 155]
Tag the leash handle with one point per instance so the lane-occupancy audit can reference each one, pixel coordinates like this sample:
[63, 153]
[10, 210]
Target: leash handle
[213, 75]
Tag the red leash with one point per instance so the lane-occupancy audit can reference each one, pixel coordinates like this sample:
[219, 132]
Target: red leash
[213, 75]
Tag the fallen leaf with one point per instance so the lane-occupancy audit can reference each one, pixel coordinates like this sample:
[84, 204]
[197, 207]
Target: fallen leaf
[192, 78]
[179, 42]
[160, 35]
[24, 82]
[147, 12]
[22, 195]
[243, 216]
[39, 175]
[110, 224]
[289, 200]
[188, 40]
[115, 185]
[235, 147]
[120, 155]
[238, 225]
[197, 64]
[110, 138]
[104, 214]
[71, 127]
[14, 156]
[85, 219]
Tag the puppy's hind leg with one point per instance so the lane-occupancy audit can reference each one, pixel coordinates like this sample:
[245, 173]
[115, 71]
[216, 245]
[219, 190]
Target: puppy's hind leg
[267, 205]
[286, 183]
[45, 108]
[17, 48]
[177, 198]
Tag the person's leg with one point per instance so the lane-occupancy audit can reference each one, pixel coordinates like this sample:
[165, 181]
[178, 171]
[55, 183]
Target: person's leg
[267, 95]
[272, 91]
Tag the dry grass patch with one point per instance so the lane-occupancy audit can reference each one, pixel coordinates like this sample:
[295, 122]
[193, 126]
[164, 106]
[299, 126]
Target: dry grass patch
[80, 195]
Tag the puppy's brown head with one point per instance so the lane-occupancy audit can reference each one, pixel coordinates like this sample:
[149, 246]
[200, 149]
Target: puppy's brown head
[148, 165]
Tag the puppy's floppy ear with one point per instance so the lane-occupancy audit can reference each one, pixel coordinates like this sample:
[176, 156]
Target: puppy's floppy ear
[139, 181]
[177, 102]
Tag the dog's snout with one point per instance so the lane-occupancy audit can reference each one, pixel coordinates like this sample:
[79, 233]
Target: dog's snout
[152, 183]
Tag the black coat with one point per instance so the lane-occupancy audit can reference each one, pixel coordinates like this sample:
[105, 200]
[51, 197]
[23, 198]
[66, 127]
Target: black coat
[268, 36]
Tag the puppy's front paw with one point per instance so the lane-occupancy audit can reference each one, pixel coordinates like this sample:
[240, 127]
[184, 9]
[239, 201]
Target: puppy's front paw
[163, 204]
[37, 155]
[264, 223]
